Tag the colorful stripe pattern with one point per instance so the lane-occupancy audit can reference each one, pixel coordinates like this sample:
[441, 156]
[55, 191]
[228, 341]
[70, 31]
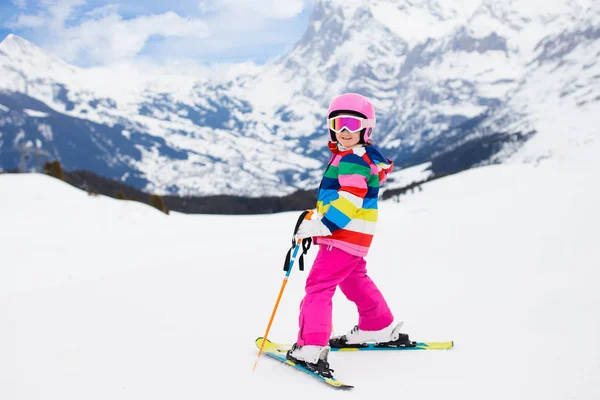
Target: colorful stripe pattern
[348, 197]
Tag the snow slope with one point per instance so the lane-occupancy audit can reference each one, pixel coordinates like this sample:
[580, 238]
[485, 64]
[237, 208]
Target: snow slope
[107, 299]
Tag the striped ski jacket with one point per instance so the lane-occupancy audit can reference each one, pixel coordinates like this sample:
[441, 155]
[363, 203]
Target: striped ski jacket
[348, 197]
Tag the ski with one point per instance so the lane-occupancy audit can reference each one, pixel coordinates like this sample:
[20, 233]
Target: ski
[278, 352]
[281, 349]
[417, 346]
[402, 342]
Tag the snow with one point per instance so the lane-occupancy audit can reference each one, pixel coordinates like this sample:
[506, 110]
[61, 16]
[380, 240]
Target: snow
[415, 23]
[566, 112]
[406, 176]
[465, 109]
[46, 131]
[424, 67]
[35, 113]
[109, 299]
[479, 68]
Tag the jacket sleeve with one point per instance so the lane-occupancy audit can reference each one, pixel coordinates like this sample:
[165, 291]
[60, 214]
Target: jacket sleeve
[353, 175]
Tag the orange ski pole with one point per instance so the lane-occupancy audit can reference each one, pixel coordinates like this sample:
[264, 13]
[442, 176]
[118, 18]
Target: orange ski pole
[306, 215]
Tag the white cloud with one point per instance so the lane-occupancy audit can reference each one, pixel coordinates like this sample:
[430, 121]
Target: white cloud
[60, 11]
[280, 9]
[101, 35]
[271, 9]
[111, 38]
[20, 3]
[104, 11]
[52, 15]
[247, 21]
[25, 21]
[276, 9]
[206, 6]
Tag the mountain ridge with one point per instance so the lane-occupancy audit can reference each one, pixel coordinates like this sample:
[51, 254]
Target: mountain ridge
[444, 77]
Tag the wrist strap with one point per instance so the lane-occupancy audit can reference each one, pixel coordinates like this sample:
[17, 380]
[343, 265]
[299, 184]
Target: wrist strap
[306, 242]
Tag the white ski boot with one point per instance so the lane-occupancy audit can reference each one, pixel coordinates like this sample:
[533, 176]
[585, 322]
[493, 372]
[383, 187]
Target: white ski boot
[312, 357]
[389, 336]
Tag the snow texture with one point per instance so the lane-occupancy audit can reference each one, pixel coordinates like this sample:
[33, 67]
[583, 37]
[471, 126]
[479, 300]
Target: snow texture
[109, 299]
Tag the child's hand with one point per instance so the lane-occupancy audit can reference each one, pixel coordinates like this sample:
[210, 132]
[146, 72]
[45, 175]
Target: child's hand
[312, 227]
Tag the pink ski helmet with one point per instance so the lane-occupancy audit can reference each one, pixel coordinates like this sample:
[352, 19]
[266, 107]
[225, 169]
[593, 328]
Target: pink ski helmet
[353, 104]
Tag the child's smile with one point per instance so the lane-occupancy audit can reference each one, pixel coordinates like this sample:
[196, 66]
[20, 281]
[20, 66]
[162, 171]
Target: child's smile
[347, 139]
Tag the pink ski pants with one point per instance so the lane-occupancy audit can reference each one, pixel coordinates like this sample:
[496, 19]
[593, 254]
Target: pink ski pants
[334, 267]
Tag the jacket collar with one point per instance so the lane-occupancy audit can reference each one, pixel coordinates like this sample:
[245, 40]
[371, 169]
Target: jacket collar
[373, 152]
[337, 148]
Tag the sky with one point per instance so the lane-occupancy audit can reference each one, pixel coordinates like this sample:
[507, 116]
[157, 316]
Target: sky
[108, 299]
[104, 32]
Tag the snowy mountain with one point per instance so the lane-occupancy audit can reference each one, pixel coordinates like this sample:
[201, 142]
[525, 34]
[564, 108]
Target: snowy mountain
[455, 84]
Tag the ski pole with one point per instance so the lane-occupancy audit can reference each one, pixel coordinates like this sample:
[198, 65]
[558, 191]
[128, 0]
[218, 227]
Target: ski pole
[305, 215]
[285, 280]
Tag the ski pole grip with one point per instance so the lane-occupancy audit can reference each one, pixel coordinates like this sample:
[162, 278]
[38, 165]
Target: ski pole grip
[297, 243]
[307, 214]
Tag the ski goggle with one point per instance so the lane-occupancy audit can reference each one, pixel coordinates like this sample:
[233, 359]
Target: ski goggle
[349, 122]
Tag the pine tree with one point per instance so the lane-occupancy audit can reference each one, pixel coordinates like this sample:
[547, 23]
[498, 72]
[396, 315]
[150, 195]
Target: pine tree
[54, 169]
[158, 202]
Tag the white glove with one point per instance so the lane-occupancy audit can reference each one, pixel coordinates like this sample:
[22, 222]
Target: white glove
[312, 227]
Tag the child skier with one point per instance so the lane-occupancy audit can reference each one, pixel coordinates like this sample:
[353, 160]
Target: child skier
[343, 227]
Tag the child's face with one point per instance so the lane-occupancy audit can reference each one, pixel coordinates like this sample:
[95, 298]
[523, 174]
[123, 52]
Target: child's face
[348, 139]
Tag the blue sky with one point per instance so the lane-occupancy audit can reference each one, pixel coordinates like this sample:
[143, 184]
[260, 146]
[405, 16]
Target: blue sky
[103, 32]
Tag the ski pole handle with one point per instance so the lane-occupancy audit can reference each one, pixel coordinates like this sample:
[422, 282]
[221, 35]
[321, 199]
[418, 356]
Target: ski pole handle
[296, 242]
